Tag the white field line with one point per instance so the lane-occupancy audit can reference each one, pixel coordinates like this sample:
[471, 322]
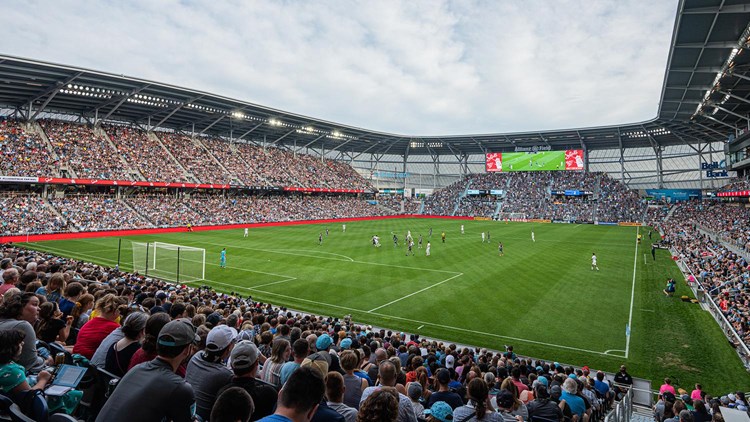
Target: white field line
[326, 253]
[414, 293]
[629, 328]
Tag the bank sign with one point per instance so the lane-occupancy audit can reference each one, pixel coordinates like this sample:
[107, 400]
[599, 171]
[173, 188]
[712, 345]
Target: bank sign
[715, 169]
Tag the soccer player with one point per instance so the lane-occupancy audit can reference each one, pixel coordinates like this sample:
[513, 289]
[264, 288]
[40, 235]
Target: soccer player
[669, 291]
[410, 248]
[650, 232]
[420, 241]
[326, 231]
[500, 249]
[443, 236]
[245, 232]
[395, 241]
[343, 228]
[320, 239]
[488, 236]
[593, 262]
[223, 258]
[189, 227]
[639, 237]
[482, 237]
[532, 236]
[462, 229]
[653, 251]
[427, 250]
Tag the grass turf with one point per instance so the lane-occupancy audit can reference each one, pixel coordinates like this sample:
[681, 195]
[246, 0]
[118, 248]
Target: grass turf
[542, 296]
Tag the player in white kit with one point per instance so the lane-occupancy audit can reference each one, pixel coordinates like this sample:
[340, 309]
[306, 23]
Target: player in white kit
[245, 232]
[593, 262]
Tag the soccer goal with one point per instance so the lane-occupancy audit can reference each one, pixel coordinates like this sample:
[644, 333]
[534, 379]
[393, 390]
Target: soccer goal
[167, 261]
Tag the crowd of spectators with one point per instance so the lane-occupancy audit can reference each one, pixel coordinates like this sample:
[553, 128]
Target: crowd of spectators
[527, 193]
[393, 202]
[194, 158]
[24, 153]
[719, 271]
[145, 154]
[739, 184]
[232, 157]
[618, 203]
[22, 214]
[97, 212]
[443, 201]
[87, 154]
[570, 208]
[477, 206]
[176, 351]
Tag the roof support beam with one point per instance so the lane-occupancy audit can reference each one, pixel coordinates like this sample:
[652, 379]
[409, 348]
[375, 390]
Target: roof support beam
[283, 136]
[744, 100]
[212, 124]
[119, 103]
[249, 131]
[720, 122]
[729, 112]
[721, 135]
[55, 88]
[46, 102]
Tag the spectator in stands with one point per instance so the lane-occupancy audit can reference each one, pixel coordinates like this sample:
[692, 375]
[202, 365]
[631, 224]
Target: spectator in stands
[153, 391]
[335, 396]
[443, 392]
[15, 311]
[355, 384]
[232, 405]
[667, 386]
[300, 350]
[387, 377]
[476, 409]
[72, 295]
[576, 403]
[93, 333]
[271, 372]
[53, 291]
[10, 279]
[119, 354]
[542, 407]
[147, 351]
[300, 397]
[505, 403]
[12, 374]
[244, 361]
[207, 372]
[381, 406]
[51, 327]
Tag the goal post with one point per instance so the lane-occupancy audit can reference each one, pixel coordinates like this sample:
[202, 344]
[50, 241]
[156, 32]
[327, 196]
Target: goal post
[167, 261]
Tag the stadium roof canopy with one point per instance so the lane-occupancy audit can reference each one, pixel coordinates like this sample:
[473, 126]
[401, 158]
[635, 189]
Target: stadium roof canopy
[705, 98]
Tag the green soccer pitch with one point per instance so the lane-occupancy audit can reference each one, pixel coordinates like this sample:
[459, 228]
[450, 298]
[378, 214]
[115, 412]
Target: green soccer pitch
[539, 161]
[542, 297]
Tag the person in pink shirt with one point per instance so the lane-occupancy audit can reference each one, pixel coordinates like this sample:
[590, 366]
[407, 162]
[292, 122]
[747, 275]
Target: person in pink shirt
[697, 394]
[667, 386]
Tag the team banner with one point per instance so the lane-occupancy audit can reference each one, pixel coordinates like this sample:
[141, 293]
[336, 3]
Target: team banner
[571, 159]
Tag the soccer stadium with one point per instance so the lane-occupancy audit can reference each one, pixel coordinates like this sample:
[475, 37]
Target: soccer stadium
[169, 253]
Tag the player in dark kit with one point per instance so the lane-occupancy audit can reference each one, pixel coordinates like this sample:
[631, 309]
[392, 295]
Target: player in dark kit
[395, 240]
[320, 239]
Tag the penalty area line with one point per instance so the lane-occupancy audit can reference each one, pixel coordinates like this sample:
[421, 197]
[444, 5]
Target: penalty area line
[414, 293]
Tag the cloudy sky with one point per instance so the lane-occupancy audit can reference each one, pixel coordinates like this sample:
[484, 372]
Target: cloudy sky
[405, 67]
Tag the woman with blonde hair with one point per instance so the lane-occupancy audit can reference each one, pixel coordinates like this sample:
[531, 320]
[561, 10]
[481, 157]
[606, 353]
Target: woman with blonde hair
[271, 372]
[518, 409]
[90, 336]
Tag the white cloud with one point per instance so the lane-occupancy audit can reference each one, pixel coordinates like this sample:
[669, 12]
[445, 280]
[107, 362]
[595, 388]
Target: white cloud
[401, 67]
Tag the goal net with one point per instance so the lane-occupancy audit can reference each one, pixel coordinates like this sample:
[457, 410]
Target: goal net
[511, 216]
[167, 261]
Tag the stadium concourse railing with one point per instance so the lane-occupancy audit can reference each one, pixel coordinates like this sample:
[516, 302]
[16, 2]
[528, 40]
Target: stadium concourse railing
[622, 411]
[710, 305]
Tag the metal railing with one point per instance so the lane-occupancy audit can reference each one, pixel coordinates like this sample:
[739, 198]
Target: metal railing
[710, 305]
[622, 410]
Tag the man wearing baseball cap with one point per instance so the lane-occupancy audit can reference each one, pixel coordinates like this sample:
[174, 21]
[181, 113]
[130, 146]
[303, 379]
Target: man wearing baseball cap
[152, 391]
[244, 361]
[207, 371]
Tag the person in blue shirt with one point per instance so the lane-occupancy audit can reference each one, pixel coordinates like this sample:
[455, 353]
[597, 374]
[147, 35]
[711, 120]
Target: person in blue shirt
[223, 258]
